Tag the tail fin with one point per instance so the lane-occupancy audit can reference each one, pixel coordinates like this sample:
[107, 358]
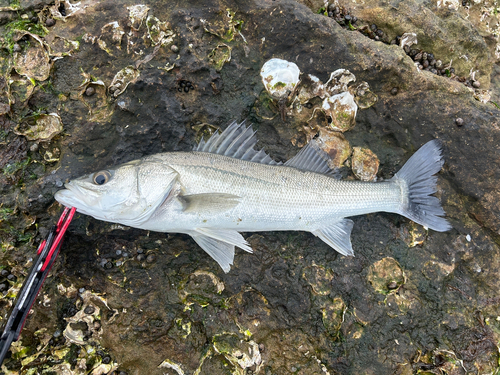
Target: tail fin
[417, 176]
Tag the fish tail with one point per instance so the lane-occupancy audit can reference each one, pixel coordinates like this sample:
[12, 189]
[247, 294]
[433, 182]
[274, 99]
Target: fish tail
[419, 183]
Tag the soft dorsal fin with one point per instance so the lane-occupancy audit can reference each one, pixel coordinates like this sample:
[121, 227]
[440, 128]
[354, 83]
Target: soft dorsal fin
[312, 158]
[237, 141]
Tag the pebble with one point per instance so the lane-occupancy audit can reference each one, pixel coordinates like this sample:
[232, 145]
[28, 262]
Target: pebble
[108, 265]
[59, 183]
[459, 121]
[3, 286]
[392, 285]
[476, 84]
[50, 22]
[89, 310]
[34, 147]
[17, 48]
[439, 64]
[425, 64]
[81, 290]
[4, 273]
[57, 334]
[394, 91]
[90, 91]
[151, 258]
[141, 257]
[118, 252]
[174, 48]
[11, 277]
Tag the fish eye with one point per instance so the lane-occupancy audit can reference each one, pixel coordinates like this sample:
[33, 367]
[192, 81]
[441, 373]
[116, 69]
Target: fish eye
[101, 177]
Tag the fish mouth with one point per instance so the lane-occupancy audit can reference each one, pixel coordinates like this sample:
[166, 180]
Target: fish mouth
[71, 196]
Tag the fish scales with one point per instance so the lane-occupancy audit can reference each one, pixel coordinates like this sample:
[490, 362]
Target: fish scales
[225, 187]
[276, 197]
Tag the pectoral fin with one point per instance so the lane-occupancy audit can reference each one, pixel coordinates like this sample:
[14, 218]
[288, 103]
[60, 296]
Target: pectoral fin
[220, 243]
[210, 203]
[338, 236]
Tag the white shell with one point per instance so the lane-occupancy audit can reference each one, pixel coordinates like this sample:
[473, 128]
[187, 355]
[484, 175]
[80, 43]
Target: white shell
[339, 80]
[280, 77]
[342, 109]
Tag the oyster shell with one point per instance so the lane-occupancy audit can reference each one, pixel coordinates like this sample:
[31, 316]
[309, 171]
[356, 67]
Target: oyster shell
[280, 77]
[342, 110]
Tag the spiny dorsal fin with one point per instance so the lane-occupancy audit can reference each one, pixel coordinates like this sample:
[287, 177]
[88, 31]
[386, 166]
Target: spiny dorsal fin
[237, 141]
[312, 158]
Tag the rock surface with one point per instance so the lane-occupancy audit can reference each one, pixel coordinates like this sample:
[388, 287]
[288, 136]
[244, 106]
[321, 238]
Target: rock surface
[129, 301]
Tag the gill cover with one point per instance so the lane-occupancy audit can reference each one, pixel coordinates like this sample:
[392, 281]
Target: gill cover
[128, 194]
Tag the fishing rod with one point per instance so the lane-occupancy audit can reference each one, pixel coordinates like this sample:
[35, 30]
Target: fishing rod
[46, 254]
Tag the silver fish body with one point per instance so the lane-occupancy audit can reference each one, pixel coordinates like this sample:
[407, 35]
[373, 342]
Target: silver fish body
[225, 187]
[266, 197]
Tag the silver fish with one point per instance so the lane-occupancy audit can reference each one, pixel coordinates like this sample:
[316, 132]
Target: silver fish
[225, 186]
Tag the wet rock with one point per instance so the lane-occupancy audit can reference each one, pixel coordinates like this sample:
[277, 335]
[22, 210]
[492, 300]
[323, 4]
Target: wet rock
[436, 31]
[276, 298]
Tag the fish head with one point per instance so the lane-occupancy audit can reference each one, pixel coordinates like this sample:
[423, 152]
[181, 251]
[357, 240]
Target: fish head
[128, 194]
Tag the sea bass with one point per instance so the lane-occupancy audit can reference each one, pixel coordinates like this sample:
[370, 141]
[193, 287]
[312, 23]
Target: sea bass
[225, 187]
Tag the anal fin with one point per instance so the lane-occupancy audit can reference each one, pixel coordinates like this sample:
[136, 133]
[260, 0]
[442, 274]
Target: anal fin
[338, 236]
[219, 244]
